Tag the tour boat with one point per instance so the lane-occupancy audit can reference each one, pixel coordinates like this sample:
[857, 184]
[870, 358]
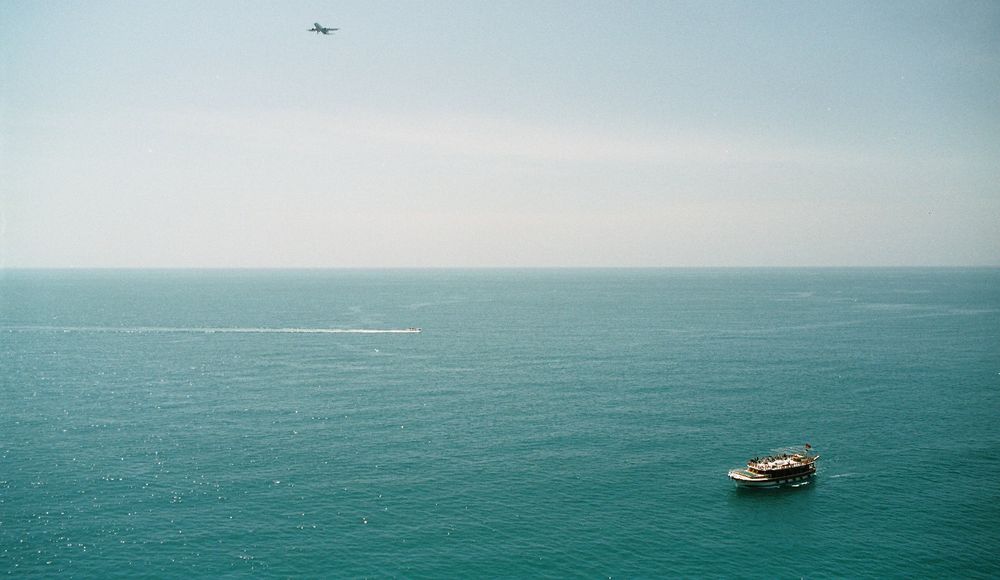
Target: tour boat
[776, 470]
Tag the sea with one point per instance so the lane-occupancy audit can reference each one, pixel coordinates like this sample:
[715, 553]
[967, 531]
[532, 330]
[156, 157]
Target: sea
[556, 423]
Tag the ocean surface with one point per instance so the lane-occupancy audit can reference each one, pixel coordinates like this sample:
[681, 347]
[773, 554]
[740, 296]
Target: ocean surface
[544, 423]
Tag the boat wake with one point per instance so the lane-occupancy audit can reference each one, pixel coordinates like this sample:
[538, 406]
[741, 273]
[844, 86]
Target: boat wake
[209, 330]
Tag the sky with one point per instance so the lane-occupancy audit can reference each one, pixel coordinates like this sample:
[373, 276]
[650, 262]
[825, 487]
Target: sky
[221, 134]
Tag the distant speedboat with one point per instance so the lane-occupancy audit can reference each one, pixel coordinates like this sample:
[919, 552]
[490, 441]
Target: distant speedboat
[413, 329]
[777, 470]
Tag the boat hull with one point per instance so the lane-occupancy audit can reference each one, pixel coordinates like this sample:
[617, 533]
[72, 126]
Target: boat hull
[791, 480]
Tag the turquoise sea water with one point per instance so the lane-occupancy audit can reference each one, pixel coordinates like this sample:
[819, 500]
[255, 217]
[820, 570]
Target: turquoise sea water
[560, 423]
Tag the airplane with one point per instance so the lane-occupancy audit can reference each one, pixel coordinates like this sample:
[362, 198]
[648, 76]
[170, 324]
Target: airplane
[317, 28]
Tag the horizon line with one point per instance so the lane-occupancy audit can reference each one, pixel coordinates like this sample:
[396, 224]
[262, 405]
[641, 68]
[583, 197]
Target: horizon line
[593, 267]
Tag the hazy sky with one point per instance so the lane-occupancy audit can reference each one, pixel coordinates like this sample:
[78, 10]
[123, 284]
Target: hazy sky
[223, 134]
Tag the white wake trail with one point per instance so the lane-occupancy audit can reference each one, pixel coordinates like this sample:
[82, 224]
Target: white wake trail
[210, 330]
